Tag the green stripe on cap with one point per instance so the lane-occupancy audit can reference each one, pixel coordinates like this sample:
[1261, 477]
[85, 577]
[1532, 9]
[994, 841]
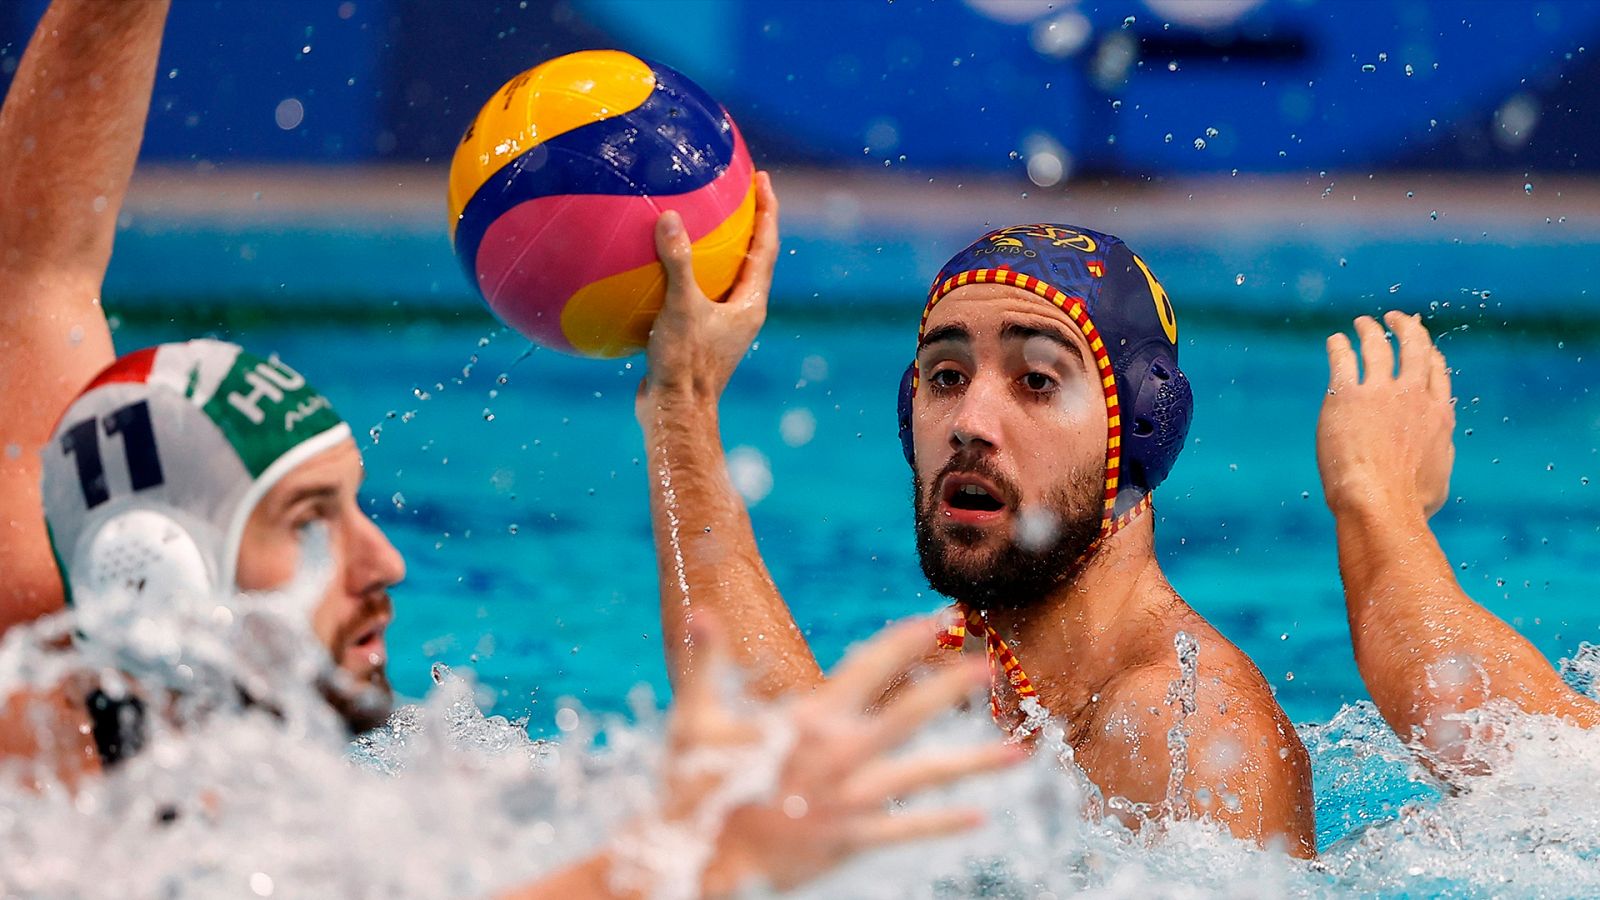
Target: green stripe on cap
[264, 409]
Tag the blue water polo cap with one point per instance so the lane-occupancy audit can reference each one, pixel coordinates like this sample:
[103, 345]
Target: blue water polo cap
[1127, 319]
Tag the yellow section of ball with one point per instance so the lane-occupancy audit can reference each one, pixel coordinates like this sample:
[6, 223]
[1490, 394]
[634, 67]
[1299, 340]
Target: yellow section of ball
[612, 317]
[550, 99]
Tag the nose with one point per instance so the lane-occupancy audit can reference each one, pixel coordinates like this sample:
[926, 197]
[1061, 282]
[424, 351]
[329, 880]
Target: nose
[374, 563]
[976, 421]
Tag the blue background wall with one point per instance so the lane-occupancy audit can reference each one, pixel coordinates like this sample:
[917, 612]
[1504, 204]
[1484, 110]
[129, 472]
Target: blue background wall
[1123, 89]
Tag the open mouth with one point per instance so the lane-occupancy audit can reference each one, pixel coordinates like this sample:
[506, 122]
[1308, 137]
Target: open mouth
[971, 499]
[367, 645]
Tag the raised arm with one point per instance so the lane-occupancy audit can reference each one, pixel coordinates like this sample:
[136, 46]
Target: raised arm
[69, 134]
[1424, 648]
[705, 548]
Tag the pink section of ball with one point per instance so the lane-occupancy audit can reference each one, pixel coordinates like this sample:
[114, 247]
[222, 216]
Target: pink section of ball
[539, 253]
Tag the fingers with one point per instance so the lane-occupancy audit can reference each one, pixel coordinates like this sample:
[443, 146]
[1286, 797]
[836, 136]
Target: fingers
[875, 831]
[899, 777]
[755, 278]
[1342, 371]
[677, 257]
[924, 700]
[1415, 345]
[1377, 357]
[867, 671]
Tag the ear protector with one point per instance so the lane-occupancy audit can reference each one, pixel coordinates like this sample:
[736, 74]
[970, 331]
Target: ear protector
[1129, 323]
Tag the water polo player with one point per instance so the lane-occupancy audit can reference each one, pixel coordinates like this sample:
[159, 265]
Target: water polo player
[189, 472]
[1430, 655]
[1044, 405]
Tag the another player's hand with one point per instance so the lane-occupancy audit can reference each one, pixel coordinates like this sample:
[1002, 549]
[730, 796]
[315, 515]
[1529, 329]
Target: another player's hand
[838, 780]
[696, 344]
[1384, 441]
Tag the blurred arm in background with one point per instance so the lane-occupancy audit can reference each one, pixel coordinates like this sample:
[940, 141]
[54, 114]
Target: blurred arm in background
[705, 548]
[835, 779]
[1426, 651]
[69, 135]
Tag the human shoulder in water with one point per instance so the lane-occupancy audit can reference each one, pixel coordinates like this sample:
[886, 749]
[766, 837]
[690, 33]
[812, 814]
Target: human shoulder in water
[1044, 405]
[1429, 654]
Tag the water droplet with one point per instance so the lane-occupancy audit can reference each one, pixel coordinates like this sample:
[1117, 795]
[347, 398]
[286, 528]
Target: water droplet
[1172, 66]
[1211, 132]
[488, 414]
[1128, 22]
[399, 500]
[1239, 278]
[1199, 143]
[1343, 262]
[1369, 67]
[1409, 70]
[1168, 138]
[1528, 188]
[1383, 57]
[289, 114]
[1394, 288]
[1434, 215]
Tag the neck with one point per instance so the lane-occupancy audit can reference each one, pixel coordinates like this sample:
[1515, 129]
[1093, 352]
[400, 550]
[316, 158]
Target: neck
[1067, 641]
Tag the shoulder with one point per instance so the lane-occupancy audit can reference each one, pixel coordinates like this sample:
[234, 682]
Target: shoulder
[1235, 754]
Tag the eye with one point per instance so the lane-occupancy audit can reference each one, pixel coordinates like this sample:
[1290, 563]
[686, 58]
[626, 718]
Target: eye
[946, 379]
[1038, 382]
[307, 515]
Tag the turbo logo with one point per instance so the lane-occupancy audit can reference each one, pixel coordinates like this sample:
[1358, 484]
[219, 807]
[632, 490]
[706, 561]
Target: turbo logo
[1058, 237]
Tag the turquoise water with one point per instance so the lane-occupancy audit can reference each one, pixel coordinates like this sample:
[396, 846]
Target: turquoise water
[521, 507]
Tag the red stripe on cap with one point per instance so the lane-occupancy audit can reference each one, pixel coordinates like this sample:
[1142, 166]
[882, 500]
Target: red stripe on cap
[133, 369]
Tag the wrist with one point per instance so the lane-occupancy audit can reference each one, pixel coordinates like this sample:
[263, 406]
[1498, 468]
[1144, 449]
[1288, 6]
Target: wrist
[1369, 505]
[657, 404]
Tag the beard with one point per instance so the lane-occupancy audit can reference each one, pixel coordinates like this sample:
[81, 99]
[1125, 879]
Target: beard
[364, 702]
[1051, 539]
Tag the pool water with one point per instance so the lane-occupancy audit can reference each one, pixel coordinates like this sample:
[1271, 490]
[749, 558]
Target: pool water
[512, 483]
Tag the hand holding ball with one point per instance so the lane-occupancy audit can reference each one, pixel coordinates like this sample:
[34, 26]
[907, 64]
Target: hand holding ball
[556, 188]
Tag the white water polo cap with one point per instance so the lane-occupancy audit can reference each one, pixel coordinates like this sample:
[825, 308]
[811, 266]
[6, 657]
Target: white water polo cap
[154, 469]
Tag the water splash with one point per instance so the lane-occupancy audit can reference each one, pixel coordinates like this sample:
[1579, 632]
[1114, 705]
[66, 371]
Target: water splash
[445, 801]
[1181, 695]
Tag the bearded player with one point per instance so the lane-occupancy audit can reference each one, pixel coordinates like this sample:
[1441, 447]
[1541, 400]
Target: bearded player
[1044, 405]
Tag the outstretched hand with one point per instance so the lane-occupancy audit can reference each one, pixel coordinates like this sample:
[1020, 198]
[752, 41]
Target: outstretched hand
[835, 779]
[1384, 440]
[696, 344]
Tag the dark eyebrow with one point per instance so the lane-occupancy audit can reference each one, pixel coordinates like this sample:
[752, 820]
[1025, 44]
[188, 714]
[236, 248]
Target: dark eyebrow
[310, 492]
[1016, 332]
[945, 333]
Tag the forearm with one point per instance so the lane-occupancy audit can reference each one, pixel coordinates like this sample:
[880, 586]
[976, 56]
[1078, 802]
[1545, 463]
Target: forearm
[70, 131]
[706, 550]
[1424, 648]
